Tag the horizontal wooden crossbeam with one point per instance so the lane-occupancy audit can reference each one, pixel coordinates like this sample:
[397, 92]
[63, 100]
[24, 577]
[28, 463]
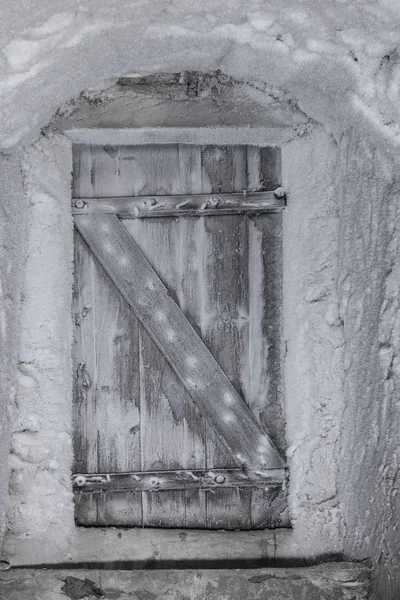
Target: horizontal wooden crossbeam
[178, 480]
[182, 205]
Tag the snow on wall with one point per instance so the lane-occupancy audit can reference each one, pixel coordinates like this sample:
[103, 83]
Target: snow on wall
[12, 235]
[369, 307]
[41, 419]
[337, 58]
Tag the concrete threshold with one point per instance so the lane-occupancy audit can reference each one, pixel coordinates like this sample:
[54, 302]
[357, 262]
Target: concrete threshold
[329, 581]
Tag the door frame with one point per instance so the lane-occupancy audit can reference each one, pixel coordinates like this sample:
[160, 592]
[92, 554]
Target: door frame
[196, 136]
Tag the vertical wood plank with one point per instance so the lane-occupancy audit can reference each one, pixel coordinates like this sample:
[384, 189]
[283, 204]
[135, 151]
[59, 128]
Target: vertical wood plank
[86, 508]
[264, 359]
[106, 360]
[269, 509]
[254, 175]
[270, 159]
[82, 167]
[195, 509]
[188, 295]
[123, 509]
[117, 381]
[173, 426]
[164, 509]
[229, 509]
[270, 398]
[224, 328]
[84, 361]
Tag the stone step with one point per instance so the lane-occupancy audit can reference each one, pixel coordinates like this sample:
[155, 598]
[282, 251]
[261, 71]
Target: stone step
[330, 581]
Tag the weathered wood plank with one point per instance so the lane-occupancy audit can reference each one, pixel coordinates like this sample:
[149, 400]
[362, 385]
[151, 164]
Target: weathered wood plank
[270, 159]
[119, 508]
[84, 361]
[200, 373]
[269, 508]
[188, 297]
[183, 205]
[86, 508]
[195, 509]
[117, 382]
[261, 369]
[229, 508]
[107, 417]
[224, 169]
[179, 479]
[164, 509]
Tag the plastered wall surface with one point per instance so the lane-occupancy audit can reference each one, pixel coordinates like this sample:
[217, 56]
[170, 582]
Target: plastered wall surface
[41, 501]
[337, 61]
[369, 307]
[13, 221]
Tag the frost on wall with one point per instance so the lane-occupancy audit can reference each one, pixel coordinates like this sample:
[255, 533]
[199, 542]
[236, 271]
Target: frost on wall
[41, 417]
[40, 487]
[12, 246]
[339, 61]
[369, 307]
[336, 58]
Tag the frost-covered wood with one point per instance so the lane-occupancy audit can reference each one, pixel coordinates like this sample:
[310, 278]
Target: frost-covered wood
[216, 270]
[180, 479]
[183, 205]
[166, 324]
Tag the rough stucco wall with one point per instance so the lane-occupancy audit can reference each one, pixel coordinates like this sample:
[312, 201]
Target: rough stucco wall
[369, 307]
[12, 236]
[340, 62]
[41, 499]
[337, 58]
[314, 337]
[41, 422]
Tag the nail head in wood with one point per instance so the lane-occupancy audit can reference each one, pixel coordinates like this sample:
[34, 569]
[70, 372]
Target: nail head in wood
[80, 480]
[280, 192]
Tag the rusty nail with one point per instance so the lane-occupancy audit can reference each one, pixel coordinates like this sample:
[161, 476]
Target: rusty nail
[220, 479]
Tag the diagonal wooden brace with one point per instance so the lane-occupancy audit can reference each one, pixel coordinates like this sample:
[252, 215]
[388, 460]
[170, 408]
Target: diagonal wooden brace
[194, 364]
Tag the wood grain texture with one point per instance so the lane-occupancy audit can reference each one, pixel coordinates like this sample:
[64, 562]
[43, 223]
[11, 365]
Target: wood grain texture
[224, 170]
[183, 205]
[119, 508]
[86, 508]
[106, 360]
[179, 479]
[172, 424]
[199, 372]
[225, 274]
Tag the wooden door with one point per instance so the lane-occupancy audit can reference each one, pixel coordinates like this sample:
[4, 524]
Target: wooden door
[178, 415]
